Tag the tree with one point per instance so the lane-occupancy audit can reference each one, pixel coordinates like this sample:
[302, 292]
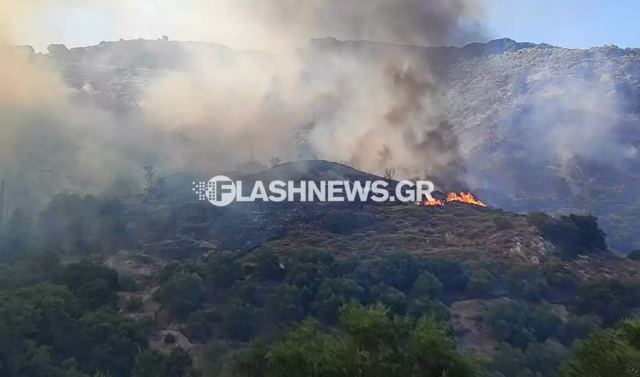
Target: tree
[223, 270]
[634, 255]
[252, 361]
[148, 364]
[275, 161]
[73, 224]
[342, 222]
[368, 342]
[397, 269]
[427, 285]
[286, 304]
[332, 294]
[307, 351]
[481, 283]
[573, 234]
[612, 352]
[393, 298]
[149, 175]
[509, 321]
[154, 364]
[239, 321]
[181, 294]
[389, 173]
[201, 323]
[268, 265]
[95, 285]
[17, 241]
[434, 353]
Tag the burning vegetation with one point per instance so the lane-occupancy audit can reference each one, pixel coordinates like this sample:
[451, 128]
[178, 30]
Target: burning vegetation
[462, 197]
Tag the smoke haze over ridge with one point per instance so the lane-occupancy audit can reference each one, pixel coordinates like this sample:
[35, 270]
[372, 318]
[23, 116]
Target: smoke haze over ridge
[203, 116]
[528, 126]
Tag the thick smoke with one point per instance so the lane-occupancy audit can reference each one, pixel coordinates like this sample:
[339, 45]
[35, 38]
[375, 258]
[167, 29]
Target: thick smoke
[410, 22]
[374, 110]
[213, 110]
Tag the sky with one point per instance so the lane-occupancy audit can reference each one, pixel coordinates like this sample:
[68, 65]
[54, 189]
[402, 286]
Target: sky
[565, 23]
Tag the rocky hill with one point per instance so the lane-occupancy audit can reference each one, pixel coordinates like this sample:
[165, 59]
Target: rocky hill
[539, 127]
[488, 262]
[208, 284]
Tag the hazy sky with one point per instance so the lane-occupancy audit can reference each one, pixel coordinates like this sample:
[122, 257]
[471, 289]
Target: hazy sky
[567, 23]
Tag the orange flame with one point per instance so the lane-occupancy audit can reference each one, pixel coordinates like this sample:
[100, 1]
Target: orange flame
[463, 197]
[430, 202]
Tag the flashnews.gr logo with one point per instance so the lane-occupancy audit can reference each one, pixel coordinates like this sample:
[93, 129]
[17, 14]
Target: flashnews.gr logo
[219, 190]
[222, 191]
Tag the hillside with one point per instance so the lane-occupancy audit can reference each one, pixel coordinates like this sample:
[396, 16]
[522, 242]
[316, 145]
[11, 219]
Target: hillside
[163, 283]
[486, 261]
[539, 127]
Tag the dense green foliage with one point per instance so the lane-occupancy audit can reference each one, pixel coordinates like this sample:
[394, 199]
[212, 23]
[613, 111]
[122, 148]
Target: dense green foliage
[305, 311]
[611, 352]
[367, 342]
[63, 321]
[573, 234]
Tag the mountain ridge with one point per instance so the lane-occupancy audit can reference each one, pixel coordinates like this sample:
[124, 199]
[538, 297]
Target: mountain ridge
[540, 127]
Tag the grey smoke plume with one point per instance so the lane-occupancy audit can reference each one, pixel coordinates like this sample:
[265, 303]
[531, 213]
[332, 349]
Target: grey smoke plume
[410, 22]
[375, 110]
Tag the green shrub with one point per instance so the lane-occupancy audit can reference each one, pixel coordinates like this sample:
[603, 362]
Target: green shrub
[481, 283]
[345, 221]
[573, 234]
[612, 352]
[239, 322]
[200, 325]
[181, 294]
[223, 270]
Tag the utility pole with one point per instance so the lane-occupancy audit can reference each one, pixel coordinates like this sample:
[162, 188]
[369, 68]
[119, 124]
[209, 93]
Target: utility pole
[1, 204]
[251, 146]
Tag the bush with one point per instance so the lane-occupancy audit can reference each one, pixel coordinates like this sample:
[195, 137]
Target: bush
[392, 298]
[154, 364]
[200, 325]
[539, 359]
[239, 322]
[450, 272]
[526, 282]
[481, 283]
[634, 255]
[332, 294]
[509, 322]
[398, 269]
[613, 352]
[544, 322]
[268, 265]
[134, 304]
[578, 327]
[427, 285]
[502, 223]
[181, 294]
[345, 221]
[367, 342]
[247, 291]
[610, 299]
[286, 303]
[223, 270]
[573, 234]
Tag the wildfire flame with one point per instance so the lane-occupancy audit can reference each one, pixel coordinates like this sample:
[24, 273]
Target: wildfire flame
[430, 202]
[462, 197]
